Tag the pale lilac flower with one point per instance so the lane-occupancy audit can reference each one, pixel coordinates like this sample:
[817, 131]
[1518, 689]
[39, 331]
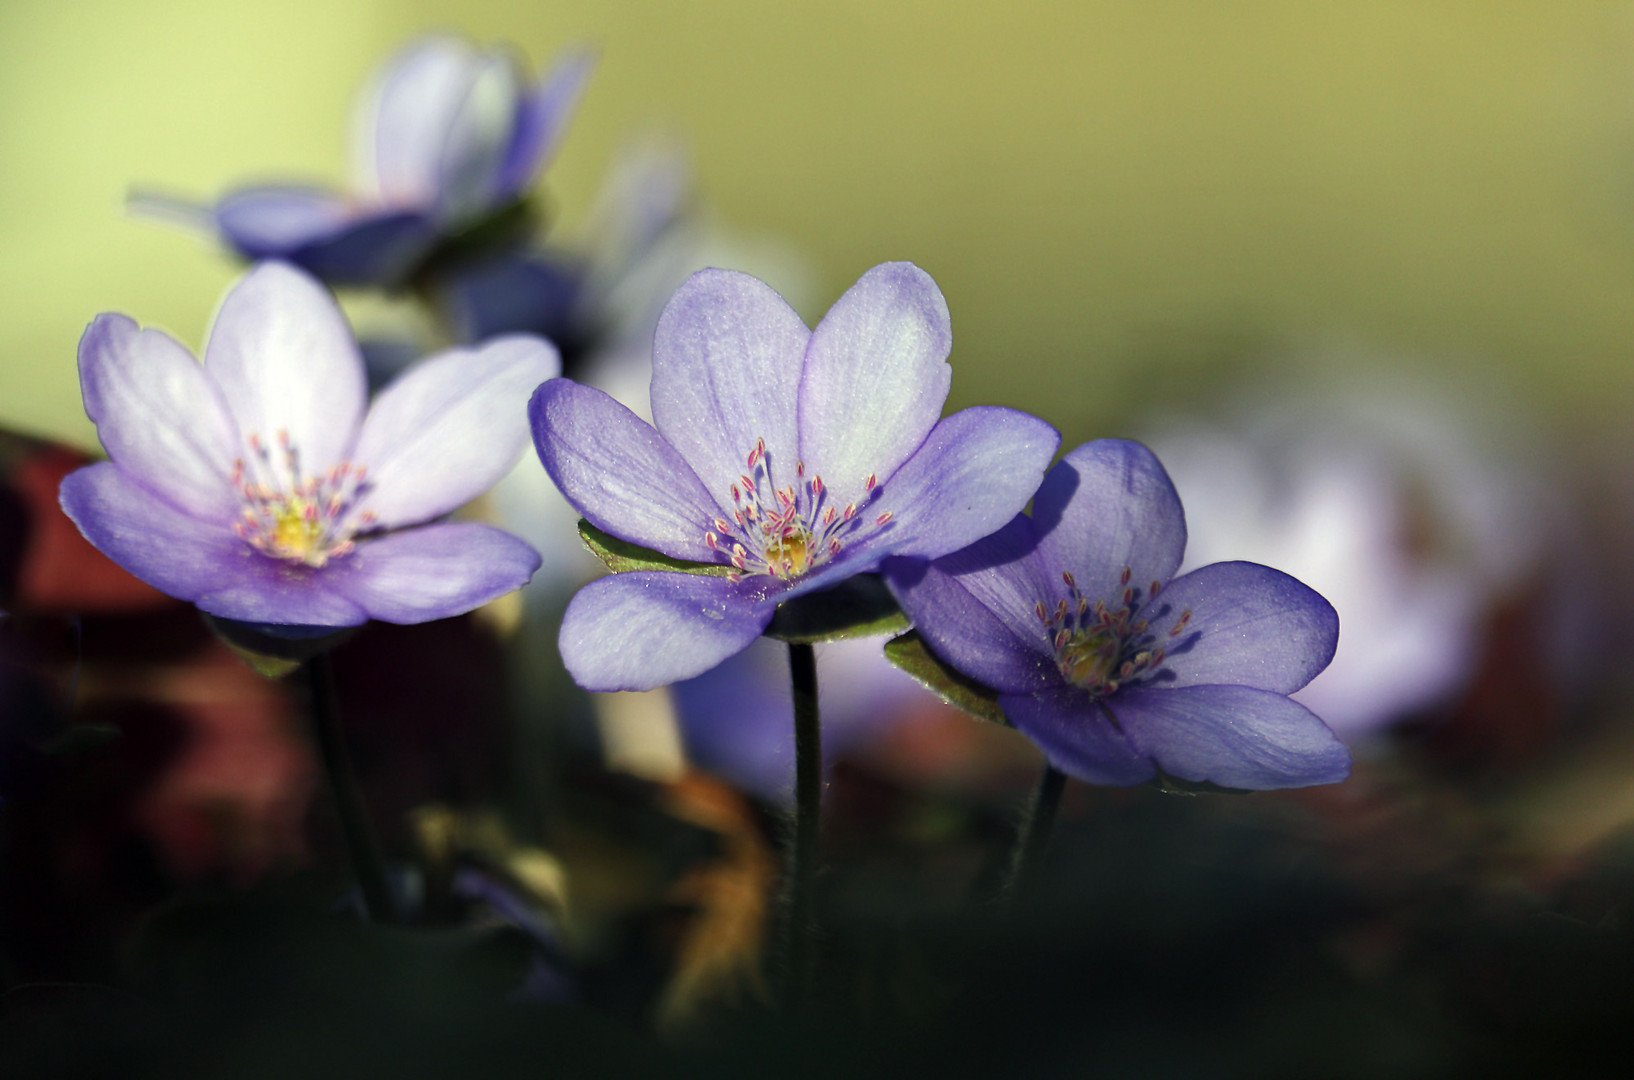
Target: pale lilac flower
[645, 235]
[447, 135]
[790, 459]
[254, 486]
[1117, 672]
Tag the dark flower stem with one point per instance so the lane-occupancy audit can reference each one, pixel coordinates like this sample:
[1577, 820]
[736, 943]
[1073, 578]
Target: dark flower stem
[808, 791]
[367, 862]
[1033, 837]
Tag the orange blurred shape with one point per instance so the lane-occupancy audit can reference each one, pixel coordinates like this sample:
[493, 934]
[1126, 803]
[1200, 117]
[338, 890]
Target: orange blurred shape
[60, 570]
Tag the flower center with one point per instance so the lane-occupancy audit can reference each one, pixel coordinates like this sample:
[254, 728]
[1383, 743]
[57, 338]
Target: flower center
[786, 531]
[1101, 647]
[295, 516]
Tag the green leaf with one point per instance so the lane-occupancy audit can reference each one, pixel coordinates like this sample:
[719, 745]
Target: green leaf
[621, 555]
[859, 606]
[909, 653]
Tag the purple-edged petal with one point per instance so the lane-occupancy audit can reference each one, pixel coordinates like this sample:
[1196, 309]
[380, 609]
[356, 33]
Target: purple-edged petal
[432, 572]
[479, 139]
[403, 123]
[380, 250]
[1234, 736]
[1003, 573]
[726, 372]
[172, 551]
[976, 470]
[158, 415]
[272, 593]
[324, 234]
[274, 221]
[180, 210]
[978, 622]
[1108, 505]
[542, 120]
[644, 629]
[446, 431]
[285, 360]
[876, 376]
[1076, 736]
[618, 472]
[1249, 625]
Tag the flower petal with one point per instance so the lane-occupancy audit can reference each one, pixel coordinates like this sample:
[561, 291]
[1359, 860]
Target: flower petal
[378, 250]
[199, 561]
[448, 429]
[174, 552]
[404, 120]
[285, 360]
[977, 469]
[1250, 625]
[644, 629]
[618, 472]
[271, 593]
[542, 120]
[479, 139]
[432, 572]
[876, 376]
[1076, 736]
[159, 415]
[726, 365]
[1108, 505]
[1234, 736]
[974, 610]
[274, 220]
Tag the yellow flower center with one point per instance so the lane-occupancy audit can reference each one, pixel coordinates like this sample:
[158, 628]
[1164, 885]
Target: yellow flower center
[296, 532]
[1089, 658]
[786, 531]
[789, 554]
[1109, 643]
[293, 516]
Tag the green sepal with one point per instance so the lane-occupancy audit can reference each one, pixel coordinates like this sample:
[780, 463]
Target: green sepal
[274, 656]
[1173, 785]
[859, 606]
[502, 229]
[621, 555]
[909, 653]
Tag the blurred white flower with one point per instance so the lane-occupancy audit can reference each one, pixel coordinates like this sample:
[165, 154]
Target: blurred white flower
[1398, 502]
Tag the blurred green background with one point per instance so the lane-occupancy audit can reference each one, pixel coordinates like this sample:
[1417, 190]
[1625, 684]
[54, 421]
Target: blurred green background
[1120, 199]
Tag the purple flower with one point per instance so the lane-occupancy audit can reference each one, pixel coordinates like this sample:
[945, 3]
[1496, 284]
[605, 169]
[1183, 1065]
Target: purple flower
[1114, 670]
[790, 459]
[255, 487]
[448, 134]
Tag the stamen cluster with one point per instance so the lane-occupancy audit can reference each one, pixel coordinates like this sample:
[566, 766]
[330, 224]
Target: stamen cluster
[1099, 647]
[786, 531]
[294, 516]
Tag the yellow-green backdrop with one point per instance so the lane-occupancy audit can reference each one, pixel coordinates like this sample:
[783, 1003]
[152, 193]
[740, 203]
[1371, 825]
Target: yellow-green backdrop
[1117, 197]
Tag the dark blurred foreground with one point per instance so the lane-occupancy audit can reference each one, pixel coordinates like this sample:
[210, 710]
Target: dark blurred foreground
[174, 901]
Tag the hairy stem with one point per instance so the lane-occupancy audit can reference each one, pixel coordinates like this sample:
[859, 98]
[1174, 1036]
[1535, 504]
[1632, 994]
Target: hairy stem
[1033, 836]
[367, 862]
[808, 791]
